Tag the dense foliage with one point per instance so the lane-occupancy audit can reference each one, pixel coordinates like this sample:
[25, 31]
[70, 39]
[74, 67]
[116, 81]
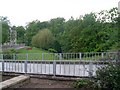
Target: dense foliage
[83, 83]
[5, 29]
[20, 34]
[92, 32]
[108, 77]
[44, 39]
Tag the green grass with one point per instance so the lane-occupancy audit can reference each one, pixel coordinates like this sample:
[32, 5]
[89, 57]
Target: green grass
[34, 50]
[35, 54]
[40, 54]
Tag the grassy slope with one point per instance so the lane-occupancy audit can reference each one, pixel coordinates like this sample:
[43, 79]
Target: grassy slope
[35, 54]
[34, 50]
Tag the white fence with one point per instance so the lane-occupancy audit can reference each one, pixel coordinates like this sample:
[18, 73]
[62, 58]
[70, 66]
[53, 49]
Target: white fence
[62, 64]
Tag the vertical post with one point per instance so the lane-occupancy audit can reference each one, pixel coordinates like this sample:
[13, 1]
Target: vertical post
[54, 68]
[119, 7]
[2, 63]
[42, 56]
[118, 57]
[80, 55]
[118, 53]
[60, 56]
[13, 56]
[25, 68]
[90, 69]
[102, 55]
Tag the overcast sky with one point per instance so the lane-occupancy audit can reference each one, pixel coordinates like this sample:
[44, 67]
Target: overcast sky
[19, 12]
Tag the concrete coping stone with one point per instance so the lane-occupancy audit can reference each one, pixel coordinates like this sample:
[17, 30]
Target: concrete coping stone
[13, 81]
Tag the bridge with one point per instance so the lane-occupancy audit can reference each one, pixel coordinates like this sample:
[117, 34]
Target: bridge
[56, 64]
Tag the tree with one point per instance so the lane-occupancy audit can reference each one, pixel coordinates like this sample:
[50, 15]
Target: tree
[5, 29]
[33, 28]
[44, 39]
[20, 33]
[57, 25]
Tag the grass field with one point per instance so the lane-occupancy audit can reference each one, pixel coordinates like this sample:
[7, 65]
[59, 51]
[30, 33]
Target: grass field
[39, 54]
[34, 50]
[34, 54]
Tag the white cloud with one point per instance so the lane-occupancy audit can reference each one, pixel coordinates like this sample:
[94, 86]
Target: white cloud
[21, 11]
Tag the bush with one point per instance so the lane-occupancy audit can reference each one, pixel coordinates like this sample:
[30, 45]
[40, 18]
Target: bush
[52, 50]
[8, 54]
[86, 83]
[108, 77]
[43, 39]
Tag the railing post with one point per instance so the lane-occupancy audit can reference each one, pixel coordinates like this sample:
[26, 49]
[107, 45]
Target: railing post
[90, 69]
[26, 64]
[60, 56]
[102, 55]
[42, 56]
[54, 68]
[80, 55]
[13, 56]
[2, 63]
[118, 57]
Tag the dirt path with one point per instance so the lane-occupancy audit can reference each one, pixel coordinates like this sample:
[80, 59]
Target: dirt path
[45, 83]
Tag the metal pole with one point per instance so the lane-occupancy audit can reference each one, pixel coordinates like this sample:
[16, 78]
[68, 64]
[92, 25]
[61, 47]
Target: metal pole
[26, 64]
[54, 68]
[42, 56]
[2, 63]
[118, 53]
[13, 56]
[119, 6]
[118, 57]
[102, 55]
[90, 69]
[80, 55]
[60, 56]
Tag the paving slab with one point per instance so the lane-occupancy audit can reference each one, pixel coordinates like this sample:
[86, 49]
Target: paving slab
[13, 81]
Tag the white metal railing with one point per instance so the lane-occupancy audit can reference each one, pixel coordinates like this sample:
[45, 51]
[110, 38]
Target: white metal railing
[66, 64]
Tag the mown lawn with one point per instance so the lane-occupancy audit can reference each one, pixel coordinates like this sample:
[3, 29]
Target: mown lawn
[40, 54]
[35, 54]
[34, 50]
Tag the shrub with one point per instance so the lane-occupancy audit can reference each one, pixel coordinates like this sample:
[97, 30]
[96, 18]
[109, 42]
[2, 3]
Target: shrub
[13, 51]
[83, 83]
[52, 50]
[43, 39]
[8, 54]
[108, 77]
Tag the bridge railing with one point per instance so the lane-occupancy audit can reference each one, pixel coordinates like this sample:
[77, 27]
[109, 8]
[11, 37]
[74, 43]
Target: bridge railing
[63, 64]
[63, 56]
